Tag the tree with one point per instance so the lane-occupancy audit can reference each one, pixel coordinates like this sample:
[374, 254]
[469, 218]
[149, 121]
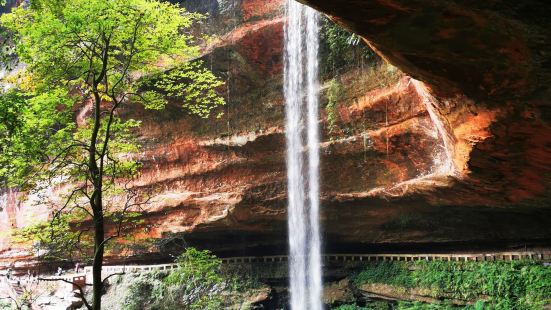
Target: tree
[104, 55]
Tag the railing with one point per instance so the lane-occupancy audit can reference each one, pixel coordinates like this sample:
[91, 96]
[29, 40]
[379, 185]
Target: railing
[70, 281]
[130, 268]
[505, 256]
[327, 258]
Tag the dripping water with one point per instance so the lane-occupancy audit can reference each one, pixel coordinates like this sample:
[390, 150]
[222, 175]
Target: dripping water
[444, 163]
[302, 135]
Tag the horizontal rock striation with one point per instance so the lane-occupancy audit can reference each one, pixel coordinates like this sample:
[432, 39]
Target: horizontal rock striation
[458, 160]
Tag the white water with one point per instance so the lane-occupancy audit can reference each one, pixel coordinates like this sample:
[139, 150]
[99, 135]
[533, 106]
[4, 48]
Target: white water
[301, 95]
[444, 164]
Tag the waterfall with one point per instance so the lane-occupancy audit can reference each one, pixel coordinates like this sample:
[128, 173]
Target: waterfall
[301, 96]
[444, 164]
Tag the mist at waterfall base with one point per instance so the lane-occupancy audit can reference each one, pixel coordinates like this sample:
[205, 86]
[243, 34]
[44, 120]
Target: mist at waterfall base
[302, 135]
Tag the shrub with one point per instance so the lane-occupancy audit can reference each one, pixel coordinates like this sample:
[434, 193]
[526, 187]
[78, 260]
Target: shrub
[197, 284]
[504, 285]
[393, 273]
[350, 307]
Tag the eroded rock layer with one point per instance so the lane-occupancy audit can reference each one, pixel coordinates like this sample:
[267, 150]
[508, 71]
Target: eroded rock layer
[488, 65]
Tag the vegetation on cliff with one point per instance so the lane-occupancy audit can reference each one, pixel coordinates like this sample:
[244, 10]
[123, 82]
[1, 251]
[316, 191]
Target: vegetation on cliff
[333, 94]
[342, 48]
[198, 283]
[465, 285]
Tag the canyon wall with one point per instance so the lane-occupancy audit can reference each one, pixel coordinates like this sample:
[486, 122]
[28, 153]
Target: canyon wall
[450, 161]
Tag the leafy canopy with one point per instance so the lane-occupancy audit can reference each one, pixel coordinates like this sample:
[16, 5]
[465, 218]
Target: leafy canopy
[125, 51]
[85, 61]
[67, 42]
[31, 128]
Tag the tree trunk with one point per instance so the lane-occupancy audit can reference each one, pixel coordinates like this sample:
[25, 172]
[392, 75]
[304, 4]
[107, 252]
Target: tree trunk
[96, 203]
[99, 247]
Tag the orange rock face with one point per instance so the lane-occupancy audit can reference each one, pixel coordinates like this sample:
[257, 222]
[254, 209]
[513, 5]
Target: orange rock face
[260, 8]
[264, 48]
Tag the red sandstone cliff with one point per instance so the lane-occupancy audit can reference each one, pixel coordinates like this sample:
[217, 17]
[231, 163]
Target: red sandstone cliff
[410, 163]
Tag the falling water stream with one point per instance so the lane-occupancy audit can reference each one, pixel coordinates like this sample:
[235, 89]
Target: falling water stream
[444, 164]
[302, 134]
